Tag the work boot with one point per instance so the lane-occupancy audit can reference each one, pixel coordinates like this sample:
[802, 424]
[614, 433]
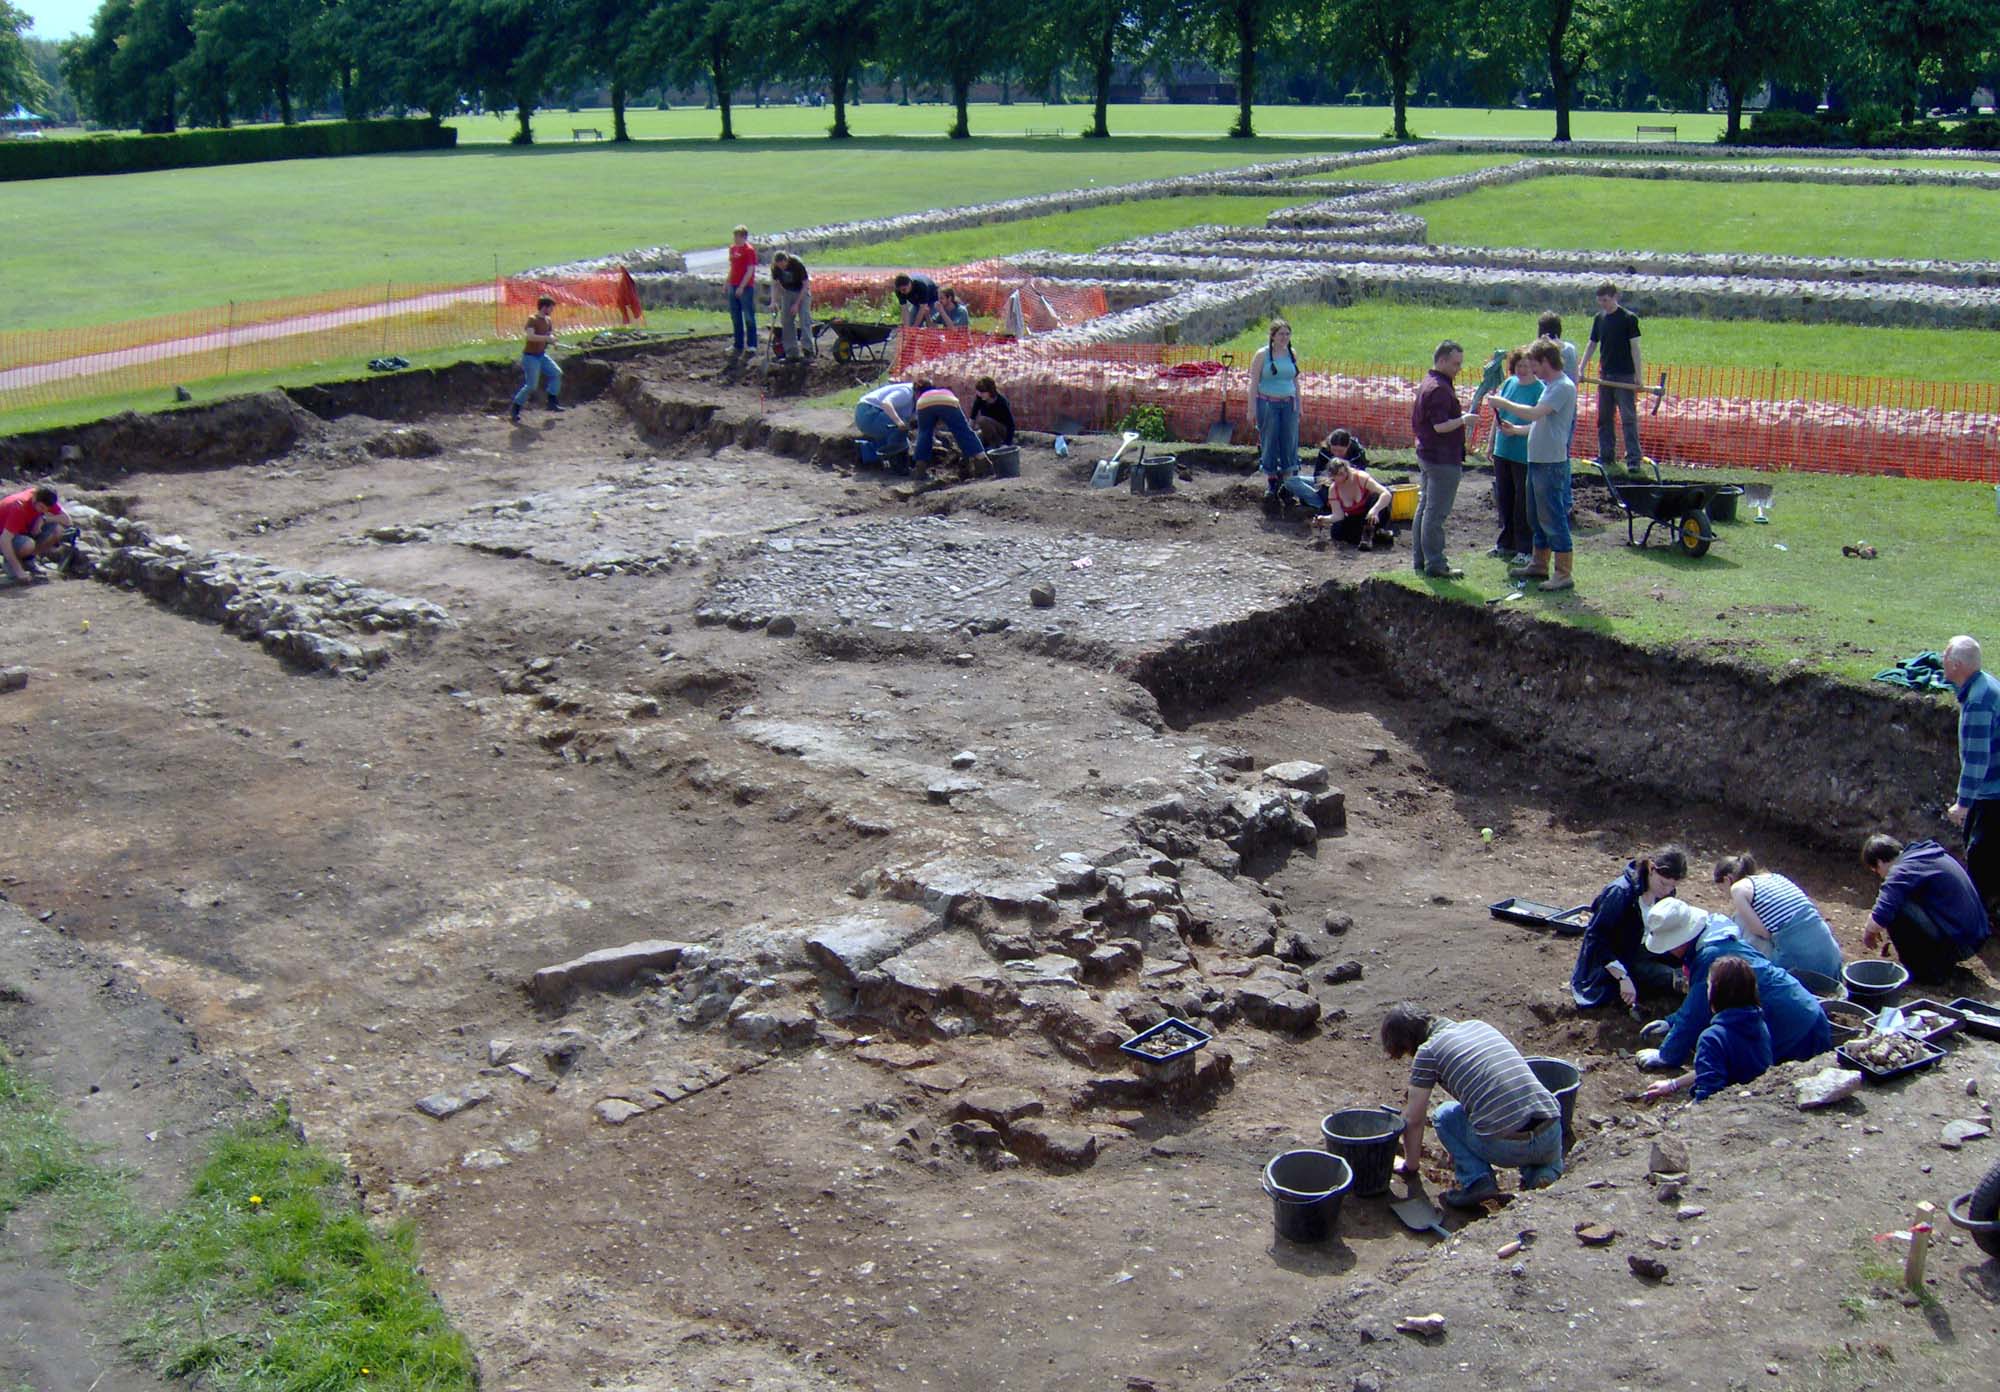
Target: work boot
[516, 413]
[1563, 579]
[1537, 567]
[1472, 1195]
[555, 405]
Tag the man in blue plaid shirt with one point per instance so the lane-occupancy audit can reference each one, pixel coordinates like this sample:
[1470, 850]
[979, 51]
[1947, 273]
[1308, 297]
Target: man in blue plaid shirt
[1978, 806]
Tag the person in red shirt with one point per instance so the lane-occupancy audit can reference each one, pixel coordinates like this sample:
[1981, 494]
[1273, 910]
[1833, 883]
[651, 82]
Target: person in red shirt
[743, 291]
[28, 529]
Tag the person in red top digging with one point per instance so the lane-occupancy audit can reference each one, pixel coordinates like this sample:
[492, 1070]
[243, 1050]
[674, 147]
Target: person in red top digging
[743, 291]
[28, 529]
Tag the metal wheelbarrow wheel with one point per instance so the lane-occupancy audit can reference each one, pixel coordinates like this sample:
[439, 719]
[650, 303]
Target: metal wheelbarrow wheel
[843, 350]
[1979, 1212]
[1693, 533]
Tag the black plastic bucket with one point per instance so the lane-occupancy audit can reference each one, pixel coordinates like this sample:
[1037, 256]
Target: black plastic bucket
[1874, 980]
[1824, 988]
[1365, 1137]
[1306, 1187]
[1722, 503]
[1006, 461]
[1563, 1079]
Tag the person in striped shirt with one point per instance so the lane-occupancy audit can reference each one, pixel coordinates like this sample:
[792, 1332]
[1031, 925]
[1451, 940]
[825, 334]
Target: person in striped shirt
[1977, 807]
[1777, 917]
[1501, 1114]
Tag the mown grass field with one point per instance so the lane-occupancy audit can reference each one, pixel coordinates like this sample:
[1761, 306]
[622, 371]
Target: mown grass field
[1141, 119]
[1398, 335]
[97, 250]
[1805, 603]
[1683, 215]
[1084, 230]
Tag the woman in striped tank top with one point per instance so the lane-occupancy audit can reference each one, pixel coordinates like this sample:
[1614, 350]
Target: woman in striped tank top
[1777, 918]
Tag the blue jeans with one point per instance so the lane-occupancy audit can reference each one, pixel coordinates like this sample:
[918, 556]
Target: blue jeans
[1305, 492]
[874, 423]
[1474, 1156]
[1549, 499]
[743, 317]
[952, 419]
[1278, 436]
[537, 368]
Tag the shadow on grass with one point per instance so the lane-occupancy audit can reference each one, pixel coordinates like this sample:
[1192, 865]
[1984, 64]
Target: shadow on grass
[1262, 147]
[1672, 558]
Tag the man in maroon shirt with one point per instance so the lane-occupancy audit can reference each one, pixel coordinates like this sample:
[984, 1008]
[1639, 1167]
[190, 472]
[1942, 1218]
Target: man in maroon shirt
[1441, 428]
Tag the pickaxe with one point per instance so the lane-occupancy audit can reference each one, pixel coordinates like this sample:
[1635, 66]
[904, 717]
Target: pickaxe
[1658, 392]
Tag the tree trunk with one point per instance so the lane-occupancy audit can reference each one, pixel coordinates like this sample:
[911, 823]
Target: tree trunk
[1007, 89]
[1398, 68]
[1246, 68]
[1100, 122]
[524, 112]
[347, 93]
[284, 98]
[619, 135]
[718, 80]
[1562, 75]
[961, 94]
[1733, 95]
[838, 130]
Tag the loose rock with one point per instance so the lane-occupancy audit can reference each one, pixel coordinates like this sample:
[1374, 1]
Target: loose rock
[1042, 596]
[1342, 972]
[616, 1111]
[1957, 1133]
[1647, 1268]
[1595, 1234]
[1669, 1156]
[450, 1104]
[1826, 1087]
[1428, 1326]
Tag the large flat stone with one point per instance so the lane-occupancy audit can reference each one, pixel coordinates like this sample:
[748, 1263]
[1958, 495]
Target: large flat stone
[854, 944]
[940, 885]
[949, 967]
[604, 970]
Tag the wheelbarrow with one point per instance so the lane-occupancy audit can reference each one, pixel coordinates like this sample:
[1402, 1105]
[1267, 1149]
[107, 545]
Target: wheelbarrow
[1681, 508]
[855, 340]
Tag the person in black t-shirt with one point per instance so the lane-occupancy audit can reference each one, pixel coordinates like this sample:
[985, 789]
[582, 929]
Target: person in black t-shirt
[919, 297]
[992, 417]
[1615, 330]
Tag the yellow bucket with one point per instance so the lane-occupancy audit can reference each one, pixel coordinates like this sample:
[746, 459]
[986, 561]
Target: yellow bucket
[1402, 502]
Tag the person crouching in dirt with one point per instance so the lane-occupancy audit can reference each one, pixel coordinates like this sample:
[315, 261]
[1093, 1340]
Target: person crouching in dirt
[29, 531]
[1699, 939]
[791, 302]
[537, 367]
[1501, 1115]
[1612, 961]
[1343, 497]
[992, 417]
[938, 406]
[1736, 1046]
[952, 310]
[884, 418]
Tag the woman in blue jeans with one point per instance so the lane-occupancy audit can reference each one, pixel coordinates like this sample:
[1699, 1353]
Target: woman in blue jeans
[939, 407]
[1274, 405]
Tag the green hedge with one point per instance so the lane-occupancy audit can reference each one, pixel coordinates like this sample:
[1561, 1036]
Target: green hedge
[129, 154]
[1868, 128]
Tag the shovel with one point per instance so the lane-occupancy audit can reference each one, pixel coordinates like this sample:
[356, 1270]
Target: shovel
[1222, 432]
[1417, 1214]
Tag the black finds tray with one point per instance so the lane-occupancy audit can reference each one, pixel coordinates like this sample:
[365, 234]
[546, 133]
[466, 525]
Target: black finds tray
[1954, 1019]
[1882, 1075]
[1186, 1038]
[1981, 1017]
[1566, 921]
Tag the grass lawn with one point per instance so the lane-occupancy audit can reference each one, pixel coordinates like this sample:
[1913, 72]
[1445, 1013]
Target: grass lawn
[1405, 335]
[95, 250]
[265, 1276]
[82, 409]
[1683, 215]
[1152, 118]
[1806, 603]
[1084, 230]
[1417, 167]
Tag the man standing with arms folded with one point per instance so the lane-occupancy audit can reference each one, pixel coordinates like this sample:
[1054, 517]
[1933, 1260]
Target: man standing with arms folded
[1616, 331]
[1977, 807]
[1440, 429]
[1551, 421]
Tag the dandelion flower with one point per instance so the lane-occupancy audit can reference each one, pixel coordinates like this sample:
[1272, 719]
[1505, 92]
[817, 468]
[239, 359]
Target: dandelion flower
[256, 1199]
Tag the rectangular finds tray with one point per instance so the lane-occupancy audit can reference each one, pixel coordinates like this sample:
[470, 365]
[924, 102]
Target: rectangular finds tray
[1981, 1017]
[1133, 1046]
[1569, 922]
[1882, 1075]
[1954, 1019]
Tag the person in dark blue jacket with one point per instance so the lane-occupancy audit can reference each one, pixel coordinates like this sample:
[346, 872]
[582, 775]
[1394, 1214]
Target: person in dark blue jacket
[1736, 1046]
[1612, 962]
[1798, 1027]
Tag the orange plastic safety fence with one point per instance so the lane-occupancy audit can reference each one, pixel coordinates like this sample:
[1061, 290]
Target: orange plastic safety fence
[45, 367]
[1707, 416]
[984, 288]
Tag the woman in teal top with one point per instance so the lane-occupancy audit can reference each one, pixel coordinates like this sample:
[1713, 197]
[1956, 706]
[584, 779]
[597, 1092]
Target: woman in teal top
[1510, 460]
[1274, 405]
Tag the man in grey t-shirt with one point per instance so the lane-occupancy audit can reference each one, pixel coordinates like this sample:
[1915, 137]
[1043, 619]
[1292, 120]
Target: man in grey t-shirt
[1551, 423]
[1501, 1114]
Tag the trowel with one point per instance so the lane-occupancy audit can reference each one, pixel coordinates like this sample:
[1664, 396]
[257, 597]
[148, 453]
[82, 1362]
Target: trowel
[1418, 1214]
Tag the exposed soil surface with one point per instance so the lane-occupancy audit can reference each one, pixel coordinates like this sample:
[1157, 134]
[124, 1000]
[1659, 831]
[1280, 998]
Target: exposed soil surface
[914, 854]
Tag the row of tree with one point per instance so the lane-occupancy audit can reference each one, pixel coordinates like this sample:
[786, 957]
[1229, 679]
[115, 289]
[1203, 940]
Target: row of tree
[157, 64]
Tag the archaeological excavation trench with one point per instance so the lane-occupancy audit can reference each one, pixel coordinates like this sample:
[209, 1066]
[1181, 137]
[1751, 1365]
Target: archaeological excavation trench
[697, 886]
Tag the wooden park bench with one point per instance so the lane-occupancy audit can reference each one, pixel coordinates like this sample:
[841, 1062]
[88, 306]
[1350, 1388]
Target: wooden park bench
[1033, 131]
[577, 133]
[1660, 132]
